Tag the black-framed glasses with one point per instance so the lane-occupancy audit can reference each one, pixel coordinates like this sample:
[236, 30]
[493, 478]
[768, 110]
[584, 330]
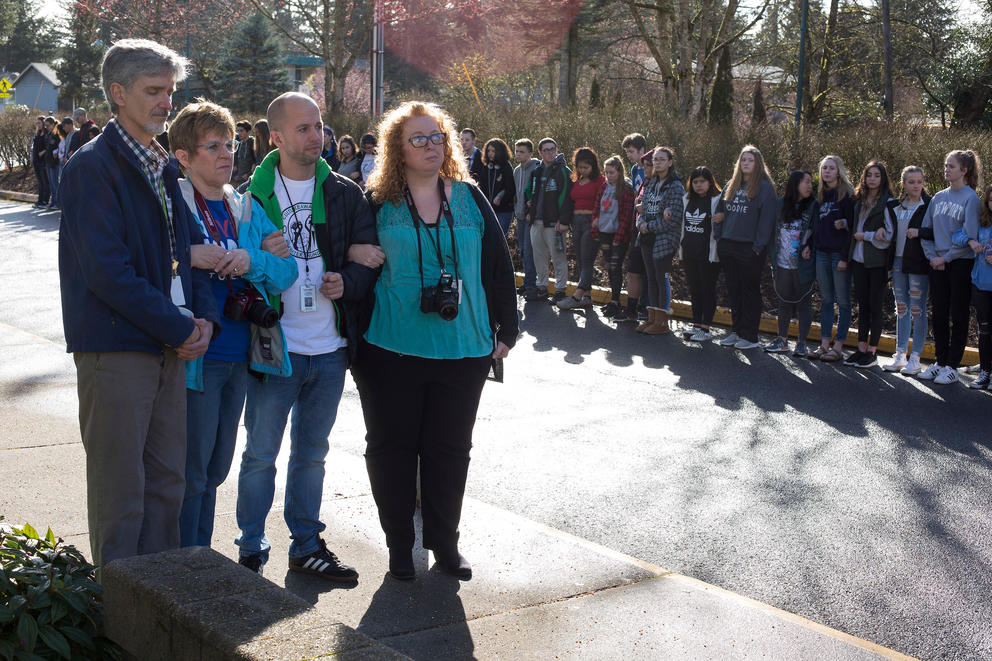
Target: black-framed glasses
[213, 147]
[420, 141]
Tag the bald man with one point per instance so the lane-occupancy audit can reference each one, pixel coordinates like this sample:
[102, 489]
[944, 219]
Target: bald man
[322, 215]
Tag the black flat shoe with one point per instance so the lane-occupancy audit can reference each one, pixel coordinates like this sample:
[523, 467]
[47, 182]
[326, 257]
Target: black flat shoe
[401, 564]
[450, 561]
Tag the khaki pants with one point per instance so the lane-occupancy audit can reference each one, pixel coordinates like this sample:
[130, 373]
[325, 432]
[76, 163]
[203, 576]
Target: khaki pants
[544, 247]
[132, 416]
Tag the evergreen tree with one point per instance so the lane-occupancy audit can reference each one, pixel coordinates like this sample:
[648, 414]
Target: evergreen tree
[595, 95]
[759, 114]
[252, 69]
[722, 99]
[79, 69]
[25, 37]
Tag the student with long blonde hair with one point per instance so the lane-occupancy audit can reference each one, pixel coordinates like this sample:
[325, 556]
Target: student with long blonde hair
[831, 239]
[955, 208]
[742, 244]
[910, 271]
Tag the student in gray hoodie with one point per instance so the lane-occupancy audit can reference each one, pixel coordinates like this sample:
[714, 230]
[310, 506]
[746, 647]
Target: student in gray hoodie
[523, 152]
[957, 207]
[742, 243]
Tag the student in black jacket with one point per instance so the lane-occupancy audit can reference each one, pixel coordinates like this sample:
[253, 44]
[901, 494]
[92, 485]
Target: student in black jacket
[910, 270]
[496, 181]
[869, 259]
[38, 162]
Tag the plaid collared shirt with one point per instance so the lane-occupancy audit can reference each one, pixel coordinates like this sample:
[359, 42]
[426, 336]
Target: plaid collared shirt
[153, 161]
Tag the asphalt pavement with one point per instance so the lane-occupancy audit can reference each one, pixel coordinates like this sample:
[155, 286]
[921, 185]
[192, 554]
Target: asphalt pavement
[857, 499]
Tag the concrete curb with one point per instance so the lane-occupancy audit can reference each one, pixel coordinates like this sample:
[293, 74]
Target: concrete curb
[769, 324]
[194, 603]
[18, 197]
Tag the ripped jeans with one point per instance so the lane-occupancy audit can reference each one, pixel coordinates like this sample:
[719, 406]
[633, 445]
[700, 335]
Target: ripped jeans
[910, 291]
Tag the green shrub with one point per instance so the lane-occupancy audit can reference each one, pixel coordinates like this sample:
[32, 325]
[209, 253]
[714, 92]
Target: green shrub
[698, 143]
[50, 605]
[16, 131]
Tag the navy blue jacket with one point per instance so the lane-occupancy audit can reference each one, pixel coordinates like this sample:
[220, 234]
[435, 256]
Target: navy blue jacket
[115, 264]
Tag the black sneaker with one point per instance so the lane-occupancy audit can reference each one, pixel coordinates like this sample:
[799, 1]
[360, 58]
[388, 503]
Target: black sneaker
[642, 313]
[559, 296]
[521, 290]
[536, 295]
[625, 314]
[252, 562]
[854, 359]
[867, 359]
[611, 309]
[324, 563]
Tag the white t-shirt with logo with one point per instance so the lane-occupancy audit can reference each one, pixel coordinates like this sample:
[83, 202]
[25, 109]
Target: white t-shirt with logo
[307, 333]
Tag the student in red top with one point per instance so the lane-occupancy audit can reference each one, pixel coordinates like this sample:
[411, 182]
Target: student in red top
[613, 227]
[584, 193]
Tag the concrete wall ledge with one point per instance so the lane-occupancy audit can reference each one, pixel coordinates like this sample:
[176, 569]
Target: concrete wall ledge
[194, 604]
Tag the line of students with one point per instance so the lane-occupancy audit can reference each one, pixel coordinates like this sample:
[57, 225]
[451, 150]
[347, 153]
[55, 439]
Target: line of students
[828, 239]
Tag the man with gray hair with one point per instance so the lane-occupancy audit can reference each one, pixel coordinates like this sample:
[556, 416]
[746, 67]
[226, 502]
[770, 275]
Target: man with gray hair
[78, 137]
[133, 309]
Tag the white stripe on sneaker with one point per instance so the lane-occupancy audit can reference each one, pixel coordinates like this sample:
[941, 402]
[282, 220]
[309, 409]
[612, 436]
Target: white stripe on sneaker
[309, 563]
[323, 565]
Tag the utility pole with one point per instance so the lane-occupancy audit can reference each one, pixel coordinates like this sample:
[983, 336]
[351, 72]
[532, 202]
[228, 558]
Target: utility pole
[799, 82]
[887, 60]
[377, 60]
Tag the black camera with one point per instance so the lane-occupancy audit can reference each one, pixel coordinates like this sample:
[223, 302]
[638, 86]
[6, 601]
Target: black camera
[248, 305]
[441, 298]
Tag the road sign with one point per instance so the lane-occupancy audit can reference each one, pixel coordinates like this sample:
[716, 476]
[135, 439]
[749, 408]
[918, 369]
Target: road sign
[4, 88]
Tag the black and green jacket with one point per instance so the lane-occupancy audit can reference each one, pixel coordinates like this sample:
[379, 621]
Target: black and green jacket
[341, 218]
[556, 206]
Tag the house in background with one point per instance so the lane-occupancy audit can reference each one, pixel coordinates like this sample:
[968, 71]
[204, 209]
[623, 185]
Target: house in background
[37, 87]
[301, 67]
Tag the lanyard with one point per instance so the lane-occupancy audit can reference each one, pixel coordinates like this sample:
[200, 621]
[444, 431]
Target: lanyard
[446, 212]
[213, 227]
[292, 207]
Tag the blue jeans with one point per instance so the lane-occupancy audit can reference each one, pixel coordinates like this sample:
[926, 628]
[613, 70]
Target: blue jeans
[212, 418]
[526, 253]
[505, 219]
[312, 394]
[910, 290]
[53, 183]
[835, 287]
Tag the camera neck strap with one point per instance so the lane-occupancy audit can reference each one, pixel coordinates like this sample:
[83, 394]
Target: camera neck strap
[213, 227]
[435, 240]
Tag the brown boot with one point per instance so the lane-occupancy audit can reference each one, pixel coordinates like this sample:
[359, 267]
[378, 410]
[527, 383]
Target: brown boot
[660, 326]
[643, 326]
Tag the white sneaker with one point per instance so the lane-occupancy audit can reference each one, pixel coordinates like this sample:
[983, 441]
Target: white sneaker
[701, 335]
[947, 375]
[746, 344]
[913, 366]
[729, 340]
[930, 373]
[898, 362]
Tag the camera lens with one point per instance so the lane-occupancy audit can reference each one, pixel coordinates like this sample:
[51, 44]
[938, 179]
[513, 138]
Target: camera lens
[448, 311]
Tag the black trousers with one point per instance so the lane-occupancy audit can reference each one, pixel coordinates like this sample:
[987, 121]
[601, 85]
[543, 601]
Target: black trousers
[950, 296]
[614, 260]
[869, 289]
[418, 410]
[702, 275]
[982, 300]
[41, 174]
[742, 273]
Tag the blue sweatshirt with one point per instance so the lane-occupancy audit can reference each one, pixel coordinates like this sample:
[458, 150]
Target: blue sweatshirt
[981, 272]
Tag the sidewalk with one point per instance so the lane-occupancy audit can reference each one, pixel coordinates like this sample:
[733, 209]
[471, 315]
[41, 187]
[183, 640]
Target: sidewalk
[537, 592]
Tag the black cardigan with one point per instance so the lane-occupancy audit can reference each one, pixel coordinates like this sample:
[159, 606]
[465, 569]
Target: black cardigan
[497, 275]
[913, 259]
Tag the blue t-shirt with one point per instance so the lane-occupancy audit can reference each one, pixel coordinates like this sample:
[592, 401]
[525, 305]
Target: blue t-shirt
[232, 344]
